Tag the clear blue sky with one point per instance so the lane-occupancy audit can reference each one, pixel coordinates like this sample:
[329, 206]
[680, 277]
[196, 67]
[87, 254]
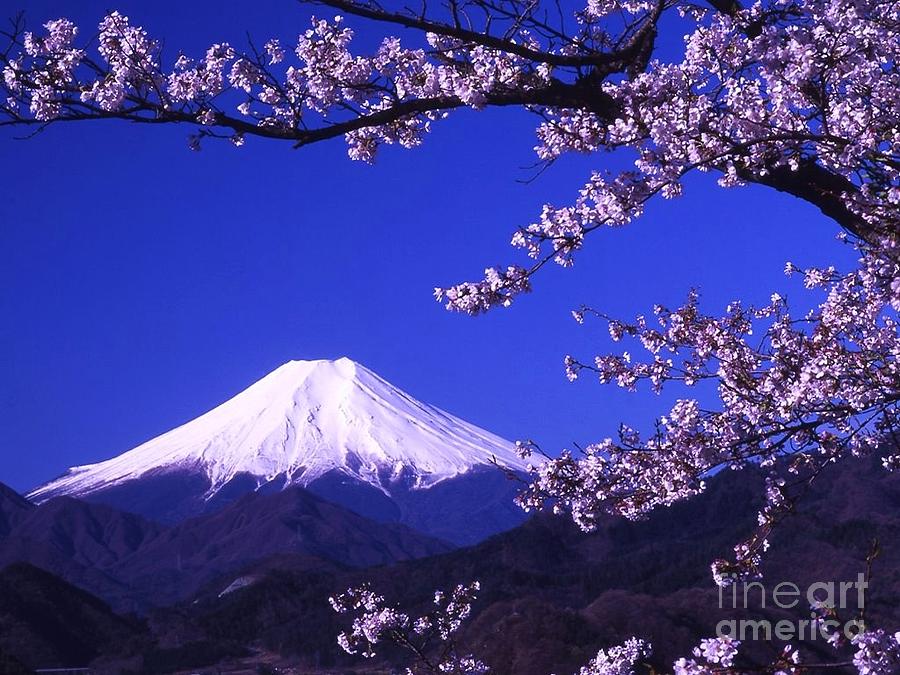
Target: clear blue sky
[142, 284]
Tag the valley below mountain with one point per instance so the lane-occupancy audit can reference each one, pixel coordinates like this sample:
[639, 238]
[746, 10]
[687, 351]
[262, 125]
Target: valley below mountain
[551, 595]
[135, 564]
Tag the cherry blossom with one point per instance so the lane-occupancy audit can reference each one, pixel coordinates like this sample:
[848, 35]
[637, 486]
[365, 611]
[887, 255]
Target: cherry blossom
[618, 660]
[877, 653]
[713, 655]
[430, 637]
[796, 95]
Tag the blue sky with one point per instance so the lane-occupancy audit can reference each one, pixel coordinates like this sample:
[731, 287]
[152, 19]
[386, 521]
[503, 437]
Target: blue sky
[142, 284]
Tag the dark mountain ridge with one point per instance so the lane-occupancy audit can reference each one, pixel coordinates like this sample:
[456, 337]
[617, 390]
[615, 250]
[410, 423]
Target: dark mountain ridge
[135, 564]
[552, 595]
[13, 508]
[293, 521]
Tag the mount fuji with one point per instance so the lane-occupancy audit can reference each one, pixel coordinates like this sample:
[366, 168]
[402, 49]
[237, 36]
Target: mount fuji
[332, 427]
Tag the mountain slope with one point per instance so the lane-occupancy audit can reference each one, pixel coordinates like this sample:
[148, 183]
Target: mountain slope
[293, 521]
[552, 595]
[13, 508]
[332, 426]
[48, 623]
[134, 564]
[81, 543]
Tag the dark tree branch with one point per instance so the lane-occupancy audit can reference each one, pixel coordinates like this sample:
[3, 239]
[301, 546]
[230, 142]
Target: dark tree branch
[609, 61]
[729, 7]
[820, 187]
[556, 94]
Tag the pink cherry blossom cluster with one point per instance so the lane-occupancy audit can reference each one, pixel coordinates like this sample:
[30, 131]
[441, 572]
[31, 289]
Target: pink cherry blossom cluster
[430, 637]
[618, 660]
[131, 64]
[877, 653]
[498, 288]
[715, 656]
[59, 61]
[796, 94]
[327, 82]
[374, 623]
[795, 392]
[770, 94]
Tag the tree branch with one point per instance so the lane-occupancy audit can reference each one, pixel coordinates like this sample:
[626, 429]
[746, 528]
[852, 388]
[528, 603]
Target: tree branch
[612, 61]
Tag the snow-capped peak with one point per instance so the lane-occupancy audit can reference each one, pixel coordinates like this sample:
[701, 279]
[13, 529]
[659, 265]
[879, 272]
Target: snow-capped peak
[301, 421]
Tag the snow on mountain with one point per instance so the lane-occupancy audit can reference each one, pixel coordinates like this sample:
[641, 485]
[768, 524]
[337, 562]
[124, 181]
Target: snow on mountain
[300, 422]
